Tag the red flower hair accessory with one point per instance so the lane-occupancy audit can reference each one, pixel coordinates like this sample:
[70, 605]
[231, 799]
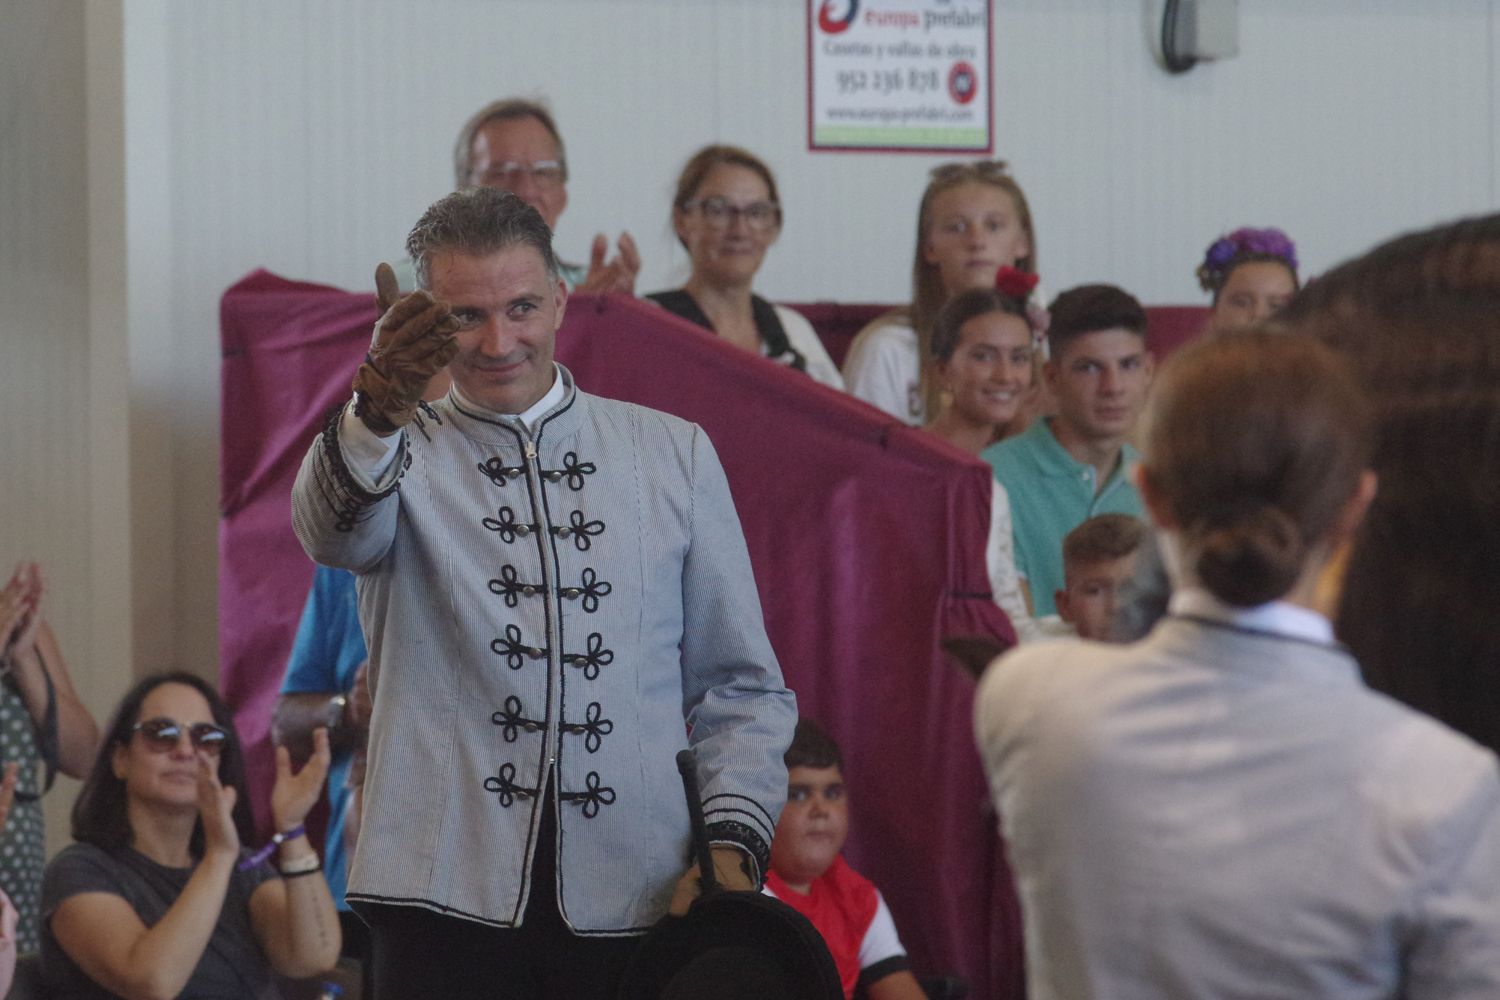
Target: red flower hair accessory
[1014, 283]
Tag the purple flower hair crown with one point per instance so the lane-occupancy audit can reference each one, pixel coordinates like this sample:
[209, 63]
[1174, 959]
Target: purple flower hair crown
[1241, 245]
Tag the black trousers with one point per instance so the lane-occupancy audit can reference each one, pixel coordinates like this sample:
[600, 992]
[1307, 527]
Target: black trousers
[417, 953]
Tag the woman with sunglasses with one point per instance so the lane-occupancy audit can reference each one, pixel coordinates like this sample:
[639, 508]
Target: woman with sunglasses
[726, 214]
[158, 897]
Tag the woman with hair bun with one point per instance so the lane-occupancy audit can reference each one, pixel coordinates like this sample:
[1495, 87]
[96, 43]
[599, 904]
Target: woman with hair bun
[1251, 273]
[1223, 808]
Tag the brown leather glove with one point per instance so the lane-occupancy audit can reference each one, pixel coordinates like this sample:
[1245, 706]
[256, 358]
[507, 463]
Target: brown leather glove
[414, 340]
[731, 871]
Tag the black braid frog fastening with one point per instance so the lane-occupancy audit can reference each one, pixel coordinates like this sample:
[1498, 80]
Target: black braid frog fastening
[498, 472]
[580, 529]
[595, 795]
[514, 650]
[589, 593]
[511, 721]
[505, 787]
[593, 729]
[573, 471]
[594, 657]
[504, 523]
[512, 588]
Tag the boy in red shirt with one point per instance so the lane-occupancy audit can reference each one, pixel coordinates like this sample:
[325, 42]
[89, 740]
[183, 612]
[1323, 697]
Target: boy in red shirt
[809, 874]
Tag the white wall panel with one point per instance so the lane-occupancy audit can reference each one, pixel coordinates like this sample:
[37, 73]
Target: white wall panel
[46, 491]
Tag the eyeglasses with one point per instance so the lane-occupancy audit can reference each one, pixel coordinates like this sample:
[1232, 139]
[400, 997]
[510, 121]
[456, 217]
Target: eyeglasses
[720, 213]
[543, 173]
[163, 735]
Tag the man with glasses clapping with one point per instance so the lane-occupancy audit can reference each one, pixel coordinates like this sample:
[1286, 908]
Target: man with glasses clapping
[513, 144]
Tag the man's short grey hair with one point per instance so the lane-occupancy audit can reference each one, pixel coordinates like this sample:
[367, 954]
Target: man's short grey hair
[477, 222]
[505, 109]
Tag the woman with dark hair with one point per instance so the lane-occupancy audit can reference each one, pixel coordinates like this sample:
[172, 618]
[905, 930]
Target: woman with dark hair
[726, 213]
[1223, 808]
[157, 898]
[1417, 318]
[1250, 273]
[984, 361]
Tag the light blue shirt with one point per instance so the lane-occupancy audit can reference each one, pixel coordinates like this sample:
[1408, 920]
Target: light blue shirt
[325, 657]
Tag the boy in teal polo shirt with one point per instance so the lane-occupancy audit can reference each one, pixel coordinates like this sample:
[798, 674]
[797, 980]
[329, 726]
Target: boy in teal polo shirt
[1068, 468]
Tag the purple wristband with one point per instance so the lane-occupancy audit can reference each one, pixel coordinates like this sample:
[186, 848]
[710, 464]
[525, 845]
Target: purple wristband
[276, 841]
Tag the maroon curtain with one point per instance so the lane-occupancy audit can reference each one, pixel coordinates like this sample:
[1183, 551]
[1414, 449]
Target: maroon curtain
[867, 540]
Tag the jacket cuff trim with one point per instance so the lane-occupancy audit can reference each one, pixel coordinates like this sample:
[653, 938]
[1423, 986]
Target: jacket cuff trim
[346, 498]
[732, 832]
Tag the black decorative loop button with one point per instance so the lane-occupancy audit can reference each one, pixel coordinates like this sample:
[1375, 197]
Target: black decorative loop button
[594, 657]
[595, 794]
[505, 788]
[498, 472]
[573, 471]
[589, 594]
[593, 728]
[580, 529]
[509, 586]
[515, 651]
[504, 524]
[511, 720]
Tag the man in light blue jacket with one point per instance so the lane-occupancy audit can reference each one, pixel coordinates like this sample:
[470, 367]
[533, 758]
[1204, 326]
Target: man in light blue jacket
[557, 598]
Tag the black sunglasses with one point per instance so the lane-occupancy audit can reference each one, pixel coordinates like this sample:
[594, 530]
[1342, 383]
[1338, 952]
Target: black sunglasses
[163, 735]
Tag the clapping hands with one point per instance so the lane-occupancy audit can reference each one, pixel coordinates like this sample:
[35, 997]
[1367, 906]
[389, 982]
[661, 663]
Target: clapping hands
[615, 275]
[296, 792]
[20, 614]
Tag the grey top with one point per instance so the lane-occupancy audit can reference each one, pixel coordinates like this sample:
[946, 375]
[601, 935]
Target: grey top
[1219, 812]
[232, 968]
[566, 603]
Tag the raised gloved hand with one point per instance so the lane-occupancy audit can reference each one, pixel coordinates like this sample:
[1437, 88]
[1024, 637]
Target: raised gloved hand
[731, 871]
[414, 340]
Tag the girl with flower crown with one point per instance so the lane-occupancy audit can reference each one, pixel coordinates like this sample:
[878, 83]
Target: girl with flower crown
[1251, 273]
[982, 361]
[972, 221]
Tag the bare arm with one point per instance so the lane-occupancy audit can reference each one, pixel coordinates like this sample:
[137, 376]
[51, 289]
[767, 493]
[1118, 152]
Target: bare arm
[35, 656]
[897, 986]
[106, 937]
[345, 714]
[294, 917]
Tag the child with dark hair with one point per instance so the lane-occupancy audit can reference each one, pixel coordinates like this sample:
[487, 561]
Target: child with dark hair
[1250, 273]
[1067, 468]
[1099, 559]
[809, 874]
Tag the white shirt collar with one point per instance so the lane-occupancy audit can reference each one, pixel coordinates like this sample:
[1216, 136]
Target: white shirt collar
[533, 413]
[1279, 617]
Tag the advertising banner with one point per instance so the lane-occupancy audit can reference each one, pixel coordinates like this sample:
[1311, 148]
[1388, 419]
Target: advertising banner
[913, 75]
